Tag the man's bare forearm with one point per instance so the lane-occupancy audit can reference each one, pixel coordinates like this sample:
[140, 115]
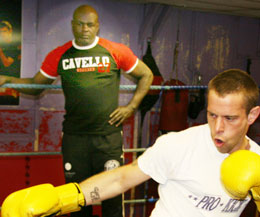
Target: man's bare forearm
[112, 183]
[145, 78]
[37, 79]
[33, 91]
[142, 89]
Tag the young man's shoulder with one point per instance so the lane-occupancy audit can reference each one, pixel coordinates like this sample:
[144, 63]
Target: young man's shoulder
[202, 128]
[185, 137]
[255, 147]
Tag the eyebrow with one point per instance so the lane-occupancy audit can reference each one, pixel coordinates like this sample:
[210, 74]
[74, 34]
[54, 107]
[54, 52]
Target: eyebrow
[230, 116]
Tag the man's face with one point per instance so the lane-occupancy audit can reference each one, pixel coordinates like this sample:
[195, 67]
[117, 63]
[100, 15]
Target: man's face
[228, 121]
[85, 27]
[5, 35]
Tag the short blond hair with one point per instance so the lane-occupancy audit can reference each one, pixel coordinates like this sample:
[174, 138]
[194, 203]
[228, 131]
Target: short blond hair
[236, 81]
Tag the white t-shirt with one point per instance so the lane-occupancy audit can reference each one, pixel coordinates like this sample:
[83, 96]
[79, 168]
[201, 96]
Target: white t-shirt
[186, 165]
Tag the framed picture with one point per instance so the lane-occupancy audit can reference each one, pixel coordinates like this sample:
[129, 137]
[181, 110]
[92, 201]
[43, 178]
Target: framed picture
[10, 47]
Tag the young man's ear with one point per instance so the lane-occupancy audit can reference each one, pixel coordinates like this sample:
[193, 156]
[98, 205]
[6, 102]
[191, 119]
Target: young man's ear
[253, 114]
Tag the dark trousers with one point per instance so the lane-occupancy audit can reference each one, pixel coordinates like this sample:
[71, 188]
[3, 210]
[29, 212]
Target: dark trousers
[86, 155]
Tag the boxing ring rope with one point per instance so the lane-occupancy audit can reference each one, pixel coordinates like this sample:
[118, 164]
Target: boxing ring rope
[122, 87]
[149, 200]
[5, 154]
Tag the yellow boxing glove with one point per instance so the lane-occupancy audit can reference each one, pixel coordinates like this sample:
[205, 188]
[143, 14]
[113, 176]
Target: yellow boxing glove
[43, 200]
[240, 175]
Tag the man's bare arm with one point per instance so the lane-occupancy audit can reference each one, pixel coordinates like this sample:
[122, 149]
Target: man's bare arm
[144, 77]
[112, 183]
[39, 78]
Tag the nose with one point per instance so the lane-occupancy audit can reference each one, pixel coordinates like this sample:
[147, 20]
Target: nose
[219, 125]
[85, 27]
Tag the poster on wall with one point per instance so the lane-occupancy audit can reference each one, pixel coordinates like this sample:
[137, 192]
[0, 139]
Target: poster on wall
[10, 47]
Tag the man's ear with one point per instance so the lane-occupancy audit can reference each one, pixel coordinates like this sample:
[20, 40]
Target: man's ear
[253, 114]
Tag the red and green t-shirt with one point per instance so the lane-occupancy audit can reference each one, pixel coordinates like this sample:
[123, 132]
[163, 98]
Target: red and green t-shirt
[90, 79]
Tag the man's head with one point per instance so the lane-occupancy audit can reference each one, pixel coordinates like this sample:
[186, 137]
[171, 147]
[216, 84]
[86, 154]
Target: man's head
[85, 25]
[6, 31]
[236, 81]
[232, 107]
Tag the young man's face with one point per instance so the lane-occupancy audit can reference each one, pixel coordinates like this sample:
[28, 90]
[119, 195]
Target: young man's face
[5, 35]
[85, 27]
[228, 121]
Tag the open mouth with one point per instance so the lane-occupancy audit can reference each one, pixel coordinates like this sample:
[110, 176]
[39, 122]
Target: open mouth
[218, 142]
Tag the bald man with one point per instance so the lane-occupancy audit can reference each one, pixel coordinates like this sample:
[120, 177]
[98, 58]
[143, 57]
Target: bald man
[89, 67]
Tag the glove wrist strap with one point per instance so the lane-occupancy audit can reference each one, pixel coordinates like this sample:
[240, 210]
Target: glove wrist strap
[71, 198]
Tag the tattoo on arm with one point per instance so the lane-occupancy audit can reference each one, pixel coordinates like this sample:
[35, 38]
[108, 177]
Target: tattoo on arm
[94, 195]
